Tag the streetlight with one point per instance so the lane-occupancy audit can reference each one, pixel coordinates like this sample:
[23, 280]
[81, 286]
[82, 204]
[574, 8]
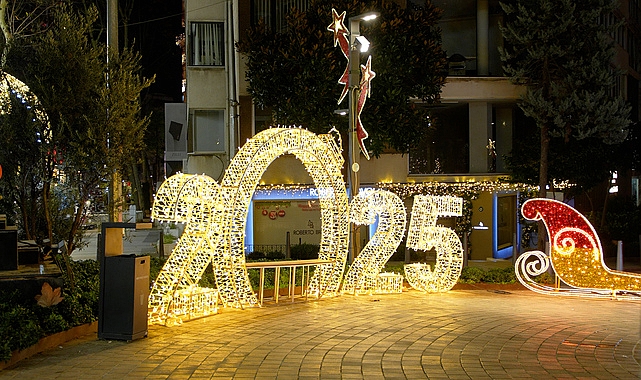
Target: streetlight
[357, 45]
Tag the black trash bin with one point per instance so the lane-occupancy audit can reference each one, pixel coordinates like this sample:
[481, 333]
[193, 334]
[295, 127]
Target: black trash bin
[124, 287]
[123, 298]
[9, 249]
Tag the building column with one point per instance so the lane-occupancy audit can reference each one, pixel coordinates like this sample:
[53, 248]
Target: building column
[480, 128]
[503, 136]
[482, 38]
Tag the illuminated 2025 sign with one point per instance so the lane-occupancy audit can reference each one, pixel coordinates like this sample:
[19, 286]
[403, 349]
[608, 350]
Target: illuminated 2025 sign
[215, 217]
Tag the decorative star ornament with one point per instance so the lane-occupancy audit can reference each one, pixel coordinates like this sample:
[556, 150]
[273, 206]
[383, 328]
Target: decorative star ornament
[491, 146]
[365, 90]
[340, 38]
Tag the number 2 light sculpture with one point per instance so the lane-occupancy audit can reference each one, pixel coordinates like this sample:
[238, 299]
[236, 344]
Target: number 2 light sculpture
[576, 256]
[424, 234]
[363, 274]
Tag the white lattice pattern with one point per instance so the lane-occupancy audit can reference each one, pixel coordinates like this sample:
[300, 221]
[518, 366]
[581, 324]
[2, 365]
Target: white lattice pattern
[423, 234]
[389, 283]
[216, 217]
[183, 198]
[192, 302]
[362, 275]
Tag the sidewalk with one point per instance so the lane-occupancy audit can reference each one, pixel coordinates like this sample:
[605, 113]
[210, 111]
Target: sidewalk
[462, 334]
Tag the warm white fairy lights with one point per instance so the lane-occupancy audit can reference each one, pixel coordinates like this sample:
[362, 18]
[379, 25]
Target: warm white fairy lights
[423, 234]
[323, 160]
[189, 199]
[216, 217]
[576, 256]
[364, 271]
[192, 302]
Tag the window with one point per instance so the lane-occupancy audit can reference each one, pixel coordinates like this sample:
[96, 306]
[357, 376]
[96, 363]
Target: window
[444, 147]
[207, 43]
[209, 131]
[274, 12]
[506, 220]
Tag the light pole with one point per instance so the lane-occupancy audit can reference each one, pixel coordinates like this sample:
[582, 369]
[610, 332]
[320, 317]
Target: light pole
[355, 39]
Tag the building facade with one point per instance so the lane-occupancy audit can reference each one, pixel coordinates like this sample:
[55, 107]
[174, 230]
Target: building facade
[477, 117]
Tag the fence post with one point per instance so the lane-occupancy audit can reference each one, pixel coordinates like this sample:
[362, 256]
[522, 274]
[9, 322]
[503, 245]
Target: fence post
[620, 255]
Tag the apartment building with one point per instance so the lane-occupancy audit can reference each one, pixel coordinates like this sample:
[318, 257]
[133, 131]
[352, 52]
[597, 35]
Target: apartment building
[477, 118]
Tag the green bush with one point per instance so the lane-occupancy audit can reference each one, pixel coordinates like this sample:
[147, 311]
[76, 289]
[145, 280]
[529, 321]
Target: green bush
[52, 322]
[500, 276]
[393, 267]
[255, 255]
[304, 251]
[23, 322]
[19, 329]
[471, 275]
[544, 278]
[275, 255]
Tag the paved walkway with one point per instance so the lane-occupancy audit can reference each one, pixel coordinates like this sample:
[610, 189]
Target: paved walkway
[463, 334]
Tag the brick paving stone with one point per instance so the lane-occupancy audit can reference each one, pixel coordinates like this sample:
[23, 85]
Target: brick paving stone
[462, 334]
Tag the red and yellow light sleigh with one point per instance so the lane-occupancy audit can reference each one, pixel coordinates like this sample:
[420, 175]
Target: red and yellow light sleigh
[576, 256]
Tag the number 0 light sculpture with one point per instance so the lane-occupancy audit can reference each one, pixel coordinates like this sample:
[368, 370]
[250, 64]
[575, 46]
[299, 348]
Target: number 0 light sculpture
[424, 234]
[575, 254]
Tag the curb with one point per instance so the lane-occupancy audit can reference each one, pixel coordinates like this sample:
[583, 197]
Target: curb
[49, 342]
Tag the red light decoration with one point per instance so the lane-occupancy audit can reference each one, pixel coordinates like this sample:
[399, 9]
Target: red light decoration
[576, 256]
[366, 88]
[340, 38]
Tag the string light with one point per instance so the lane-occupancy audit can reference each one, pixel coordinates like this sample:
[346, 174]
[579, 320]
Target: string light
[423, 234]
[576, 256]
[363, 274]
[216, 216]
[188, 199]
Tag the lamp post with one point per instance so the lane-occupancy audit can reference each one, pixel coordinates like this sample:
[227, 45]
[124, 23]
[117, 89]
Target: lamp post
[357, 44]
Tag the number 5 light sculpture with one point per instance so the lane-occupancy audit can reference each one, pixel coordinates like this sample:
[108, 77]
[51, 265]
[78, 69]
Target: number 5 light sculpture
[424, 234]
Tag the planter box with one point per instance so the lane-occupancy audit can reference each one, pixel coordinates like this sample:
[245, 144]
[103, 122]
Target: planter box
[49, 342]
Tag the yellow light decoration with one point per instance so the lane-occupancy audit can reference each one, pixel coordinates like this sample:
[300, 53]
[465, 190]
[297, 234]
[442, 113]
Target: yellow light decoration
[423, 234]
[184, 198]
[576, 256]
[216, 217]
[362, 277]
[323, 160]
[192, 302]
[388, 283]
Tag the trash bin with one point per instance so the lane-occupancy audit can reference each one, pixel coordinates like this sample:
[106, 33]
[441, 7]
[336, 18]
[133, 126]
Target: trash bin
[8, 249]
[124, 292]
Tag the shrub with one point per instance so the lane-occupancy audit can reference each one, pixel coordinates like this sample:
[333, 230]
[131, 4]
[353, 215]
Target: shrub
[53, 322]
[304, 251]
[255, 255]
[500, 276]
[471, 275]
[545, 278]
[23, 321]
[274, 255]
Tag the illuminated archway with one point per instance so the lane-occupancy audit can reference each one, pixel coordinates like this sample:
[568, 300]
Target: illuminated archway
[217, 235]
[323, 160]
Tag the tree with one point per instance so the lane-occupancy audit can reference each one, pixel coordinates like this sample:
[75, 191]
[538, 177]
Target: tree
[562, 53]
[295, 71]
[92, 108]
